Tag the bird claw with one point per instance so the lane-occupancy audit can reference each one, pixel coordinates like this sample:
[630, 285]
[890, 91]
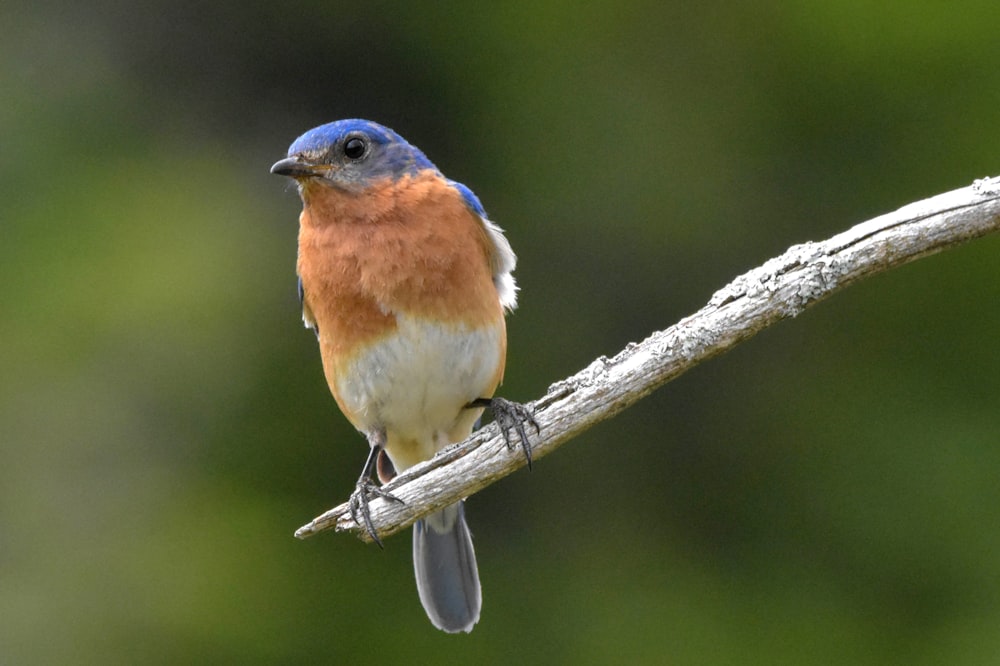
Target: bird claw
[364, 491]
[512, 416]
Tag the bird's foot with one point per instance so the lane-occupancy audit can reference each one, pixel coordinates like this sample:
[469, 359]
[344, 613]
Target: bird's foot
[364, 492]
[511, 417]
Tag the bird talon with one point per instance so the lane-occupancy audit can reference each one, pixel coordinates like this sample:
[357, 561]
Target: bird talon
[360, 511]
[513, 416]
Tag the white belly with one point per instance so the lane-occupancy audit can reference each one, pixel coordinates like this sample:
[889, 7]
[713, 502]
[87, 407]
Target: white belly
[416, 383]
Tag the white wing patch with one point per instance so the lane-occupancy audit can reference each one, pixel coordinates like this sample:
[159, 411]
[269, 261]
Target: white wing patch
[307, 316]
[502, 262]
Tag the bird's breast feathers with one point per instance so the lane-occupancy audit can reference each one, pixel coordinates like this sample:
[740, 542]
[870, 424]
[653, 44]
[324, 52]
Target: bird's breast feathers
[408, 246]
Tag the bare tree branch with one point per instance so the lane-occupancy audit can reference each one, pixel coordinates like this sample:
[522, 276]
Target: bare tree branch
[780, 288]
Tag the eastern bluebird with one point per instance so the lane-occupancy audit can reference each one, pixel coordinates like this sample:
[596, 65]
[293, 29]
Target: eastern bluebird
[405, 282]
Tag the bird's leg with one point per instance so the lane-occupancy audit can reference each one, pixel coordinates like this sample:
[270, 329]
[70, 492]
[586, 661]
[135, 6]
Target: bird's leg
[366, 488]
[384, 468]
[511, 416]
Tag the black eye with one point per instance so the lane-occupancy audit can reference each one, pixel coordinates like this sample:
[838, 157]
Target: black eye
[354, 148]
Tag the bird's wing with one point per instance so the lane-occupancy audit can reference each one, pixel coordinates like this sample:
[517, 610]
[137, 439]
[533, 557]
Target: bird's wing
[501, 255]
[307, 315]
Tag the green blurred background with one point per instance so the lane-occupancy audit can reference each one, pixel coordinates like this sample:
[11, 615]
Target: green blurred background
[828, 493]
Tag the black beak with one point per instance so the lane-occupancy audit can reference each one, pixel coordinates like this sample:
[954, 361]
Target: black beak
[293, 167]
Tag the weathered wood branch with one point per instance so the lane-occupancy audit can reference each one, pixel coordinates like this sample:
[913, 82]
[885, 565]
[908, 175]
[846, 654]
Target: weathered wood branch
[780, 288]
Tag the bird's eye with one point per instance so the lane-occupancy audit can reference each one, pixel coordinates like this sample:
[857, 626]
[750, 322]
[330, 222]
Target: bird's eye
[354, 148]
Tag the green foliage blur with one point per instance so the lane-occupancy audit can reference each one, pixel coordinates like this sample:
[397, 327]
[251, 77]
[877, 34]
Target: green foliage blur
[828, 493]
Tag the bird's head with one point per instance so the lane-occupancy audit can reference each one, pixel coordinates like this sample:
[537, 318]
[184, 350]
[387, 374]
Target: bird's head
[350, 155]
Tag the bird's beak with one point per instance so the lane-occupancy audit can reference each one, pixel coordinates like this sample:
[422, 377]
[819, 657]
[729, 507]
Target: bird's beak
[294, 167]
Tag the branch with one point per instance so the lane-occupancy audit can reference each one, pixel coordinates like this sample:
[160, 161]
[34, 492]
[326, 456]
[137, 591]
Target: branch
[780, 288]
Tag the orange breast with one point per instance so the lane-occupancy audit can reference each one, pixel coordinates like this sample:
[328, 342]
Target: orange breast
[407, 246]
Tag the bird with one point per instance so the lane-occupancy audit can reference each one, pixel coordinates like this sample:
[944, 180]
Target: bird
[405, 282]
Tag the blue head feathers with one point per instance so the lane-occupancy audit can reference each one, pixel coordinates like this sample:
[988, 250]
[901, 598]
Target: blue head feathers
[353, 152]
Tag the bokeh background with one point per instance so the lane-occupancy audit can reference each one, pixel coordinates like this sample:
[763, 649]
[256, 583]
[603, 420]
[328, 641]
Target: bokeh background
[827, 493]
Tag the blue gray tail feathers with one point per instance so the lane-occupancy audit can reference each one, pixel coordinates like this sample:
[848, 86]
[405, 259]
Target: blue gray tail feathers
[445, 564]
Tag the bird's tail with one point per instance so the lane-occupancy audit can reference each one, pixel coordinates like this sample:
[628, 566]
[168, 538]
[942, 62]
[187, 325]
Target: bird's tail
[445, 565]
